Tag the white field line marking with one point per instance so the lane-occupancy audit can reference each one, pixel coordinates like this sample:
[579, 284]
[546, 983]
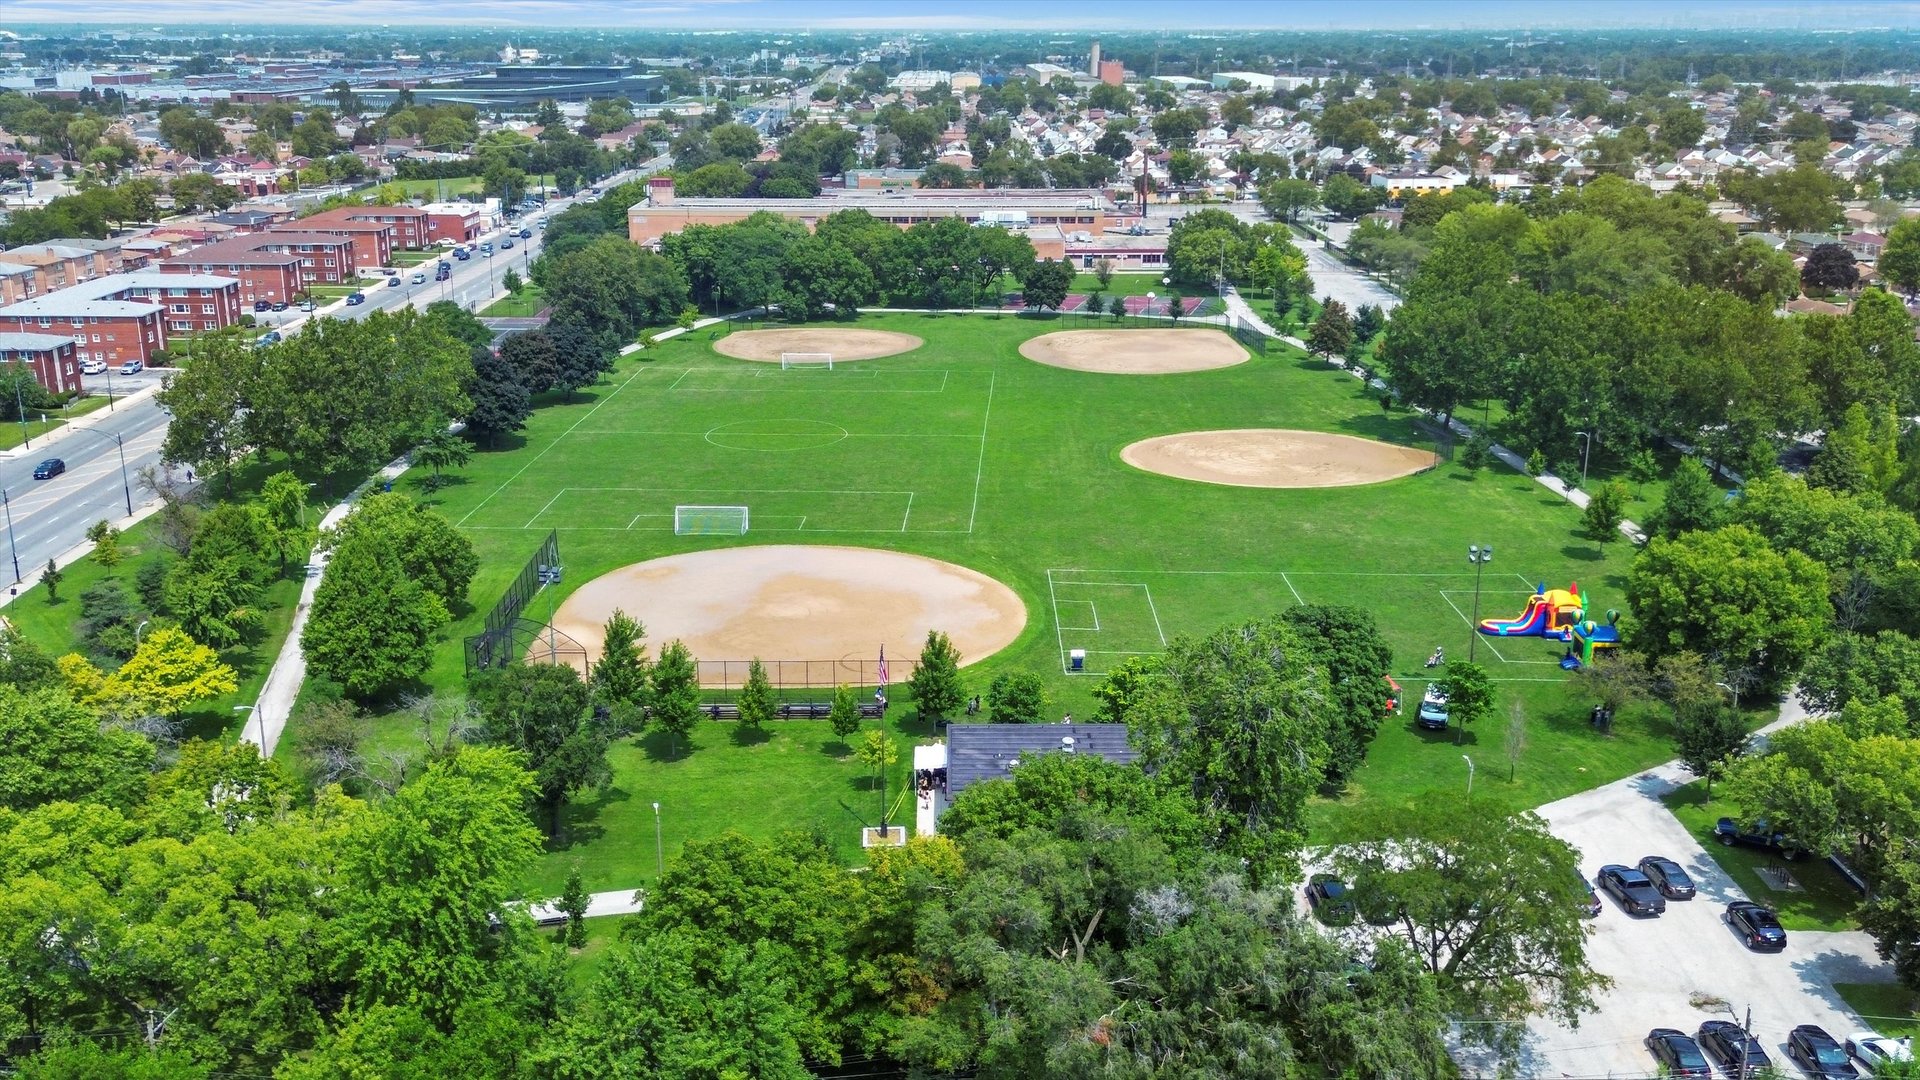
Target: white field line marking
[908, 514]
[1059, 641]
[1296, 592]
[558, 439]
[1471, 629]
[980, 468]
[544, 509]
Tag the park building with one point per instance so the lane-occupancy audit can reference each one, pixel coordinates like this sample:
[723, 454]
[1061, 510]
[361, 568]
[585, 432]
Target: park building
[1400, 184]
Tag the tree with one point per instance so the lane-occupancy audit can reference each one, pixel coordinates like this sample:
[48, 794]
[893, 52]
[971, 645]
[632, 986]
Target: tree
[500, 401]
[878, 752]
[167, 673]
[1347, 644]
[1706, 736]
[1760, 275]
[758, 704]
[533, 359]
[1016, 697]
[1831, 267]
[424, 882]
[1606, 509]
[1367, 324]
[214, 600]
[936, 678]
[431, 551]
[1899, 261]
[1347, 197]
[50, 577]
[1332, 333]
[1524, 956]
[676, 692]
[372, 623]
[1046, 284]
[1516, 739]
[52, 749]
[844, 715]
[441, 449]
[1678, 588]
[541, 711]
[1692, 502]
[1103, 271]
[619, 677]
[1230, 724]
[511, 282]
[1285, 198]
[573, 901]
[1469, 695]
[1117, 306]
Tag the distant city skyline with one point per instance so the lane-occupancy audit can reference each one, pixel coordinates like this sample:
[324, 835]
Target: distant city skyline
[1068, 16]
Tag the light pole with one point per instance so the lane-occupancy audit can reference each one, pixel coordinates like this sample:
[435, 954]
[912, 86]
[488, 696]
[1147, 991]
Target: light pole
[262, 717]
[1586, 444]
[1469, 762]
[1479, 555]
[137, 631]
[11, 542]
[20, 410]
[659, 849]
[126, 487]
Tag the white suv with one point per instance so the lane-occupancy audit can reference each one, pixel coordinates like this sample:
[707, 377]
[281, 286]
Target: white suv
[93, 367]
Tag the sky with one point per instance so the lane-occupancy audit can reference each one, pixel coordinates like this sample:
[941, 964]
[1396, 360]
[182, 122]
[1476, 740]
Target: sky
[1071, 15]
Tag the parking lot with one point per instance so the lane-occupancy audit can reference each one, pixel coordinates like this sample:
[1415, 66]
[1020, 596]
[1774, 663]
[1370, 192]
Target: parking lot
[1669, 970]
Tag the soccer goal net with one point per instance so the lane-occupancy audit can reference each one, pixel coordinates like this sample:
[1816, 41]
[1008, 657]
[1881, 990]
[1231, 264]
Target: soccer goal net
[806, 359]
[709, 520]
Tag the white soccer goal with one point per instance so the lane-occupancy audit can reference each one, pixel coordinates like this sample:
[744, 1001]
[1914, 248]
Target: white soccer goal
[806, 359]
[709, 520]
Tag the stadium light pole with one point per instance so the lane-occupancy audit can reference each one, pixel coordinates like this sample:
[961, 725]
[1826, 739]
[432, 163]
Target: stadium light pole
[1479, 555]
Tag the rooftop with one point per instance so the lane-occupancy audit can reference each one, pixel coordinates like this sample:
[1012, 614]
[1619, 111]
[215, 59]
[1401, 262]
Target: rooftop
[12, 342]
[977, 752]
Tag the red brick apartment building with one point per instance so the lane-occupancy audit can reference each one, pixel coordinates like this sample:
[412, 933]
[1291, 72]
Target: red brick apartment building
[372, 242]
[125, 317]
[273, 266]
[411, 229]
[50, 356]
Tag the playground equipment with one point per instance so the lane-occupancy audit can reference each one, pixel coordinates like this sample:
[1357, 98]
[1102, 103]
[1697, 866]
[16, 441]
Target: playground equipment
[1560, 614]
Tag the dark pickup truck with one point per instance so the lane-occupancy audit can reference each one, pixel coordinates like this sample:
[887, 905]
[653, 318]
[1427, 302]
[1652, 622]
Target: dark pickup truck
[1731, 832]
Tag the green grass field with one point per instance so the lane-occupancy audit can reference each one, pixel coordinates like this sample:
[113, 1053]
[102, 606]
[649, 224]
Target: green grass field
[1889, 1008]
[530, 301]
[14, 433]
[1824, 902]
[963, 450]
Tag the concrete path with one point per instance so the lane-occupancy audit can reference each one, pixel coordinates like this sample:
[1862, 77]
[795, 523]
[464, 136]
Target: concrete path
[618, 902]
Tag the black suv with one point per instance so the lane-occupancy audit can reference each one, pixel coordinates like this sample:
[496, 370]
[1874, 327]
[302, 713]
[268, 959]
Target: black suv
[1678, 1054]
[1729, 1044]
[1631, 887]
[1731, 832]
[1817, 1052]
[1668, 877]
[1757, 926]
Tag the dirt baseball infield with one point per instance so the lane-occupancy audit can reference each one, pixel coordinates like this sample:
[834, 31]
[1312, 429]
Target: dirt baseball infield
[847, 344]
[795, 602]
[1275, 458]
[1135, 352]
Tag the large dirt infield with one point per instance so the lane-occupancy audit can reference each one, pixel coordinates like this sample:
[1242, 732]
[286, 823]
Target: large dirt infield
[786, 602]
[1275, 458]
[845, 344]
[1136, 352]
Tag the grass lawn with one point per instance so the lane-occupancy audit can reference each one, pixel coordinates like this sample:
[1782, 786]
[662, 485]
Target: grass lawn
[13, 434]
[456, 186]
[414, 258]
[1013, 469]
[583, 963]
[324, 293]
[1888, 1008]
[1825, 901]
[528, 302]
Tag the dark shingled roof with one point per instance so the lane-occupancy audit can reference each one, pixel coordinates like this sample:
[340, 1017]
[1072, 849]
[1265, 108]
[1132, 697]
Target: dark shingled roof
[978, 752]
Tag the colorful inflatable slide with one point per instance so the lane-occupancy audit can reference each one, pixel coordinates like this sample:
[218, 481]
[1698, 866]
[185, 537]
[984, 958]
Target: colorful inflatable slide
[1560, 614]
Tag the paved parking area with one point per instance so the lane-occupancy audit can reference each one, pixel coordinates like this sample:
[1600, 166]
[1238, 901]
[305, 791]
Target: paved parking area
[1660, 964]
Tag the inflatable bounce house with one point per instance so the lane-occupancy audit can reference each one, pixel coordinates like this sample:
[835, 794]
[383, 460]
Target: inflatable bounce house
[1560, 614]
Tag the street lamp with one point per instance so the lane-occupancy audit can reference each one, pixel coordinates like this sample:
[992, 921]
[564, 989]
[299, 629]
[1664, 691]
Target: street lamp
[138, 630]
[1469, 762]
[262, 717]
[659, 849]
[11, 542]
[1479, 555]
[126, 486]
[1586, 444]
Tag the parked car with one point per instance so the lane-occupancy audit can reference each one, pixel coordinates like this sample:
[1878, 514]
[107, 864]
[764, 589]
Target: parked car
[1759, 927]
[1668, 877]
[49, 469]
[356, 298]
[1328, 897]
[526, 234]
[1731, 832]
[1592, 903]
[1873, 1051]
[1433, 708]
[279, 305]
[1632, 889]
[1678, 1054]
[393, 282]
[1730, 1044]
[1814, 1050]
[132, 367]
[262, 305]
[93, 367]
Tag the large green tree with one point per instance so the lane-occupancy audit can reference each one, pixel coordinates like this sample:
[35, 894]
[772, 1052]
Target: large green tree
[429, 549]
[541, 711]
[372, 625]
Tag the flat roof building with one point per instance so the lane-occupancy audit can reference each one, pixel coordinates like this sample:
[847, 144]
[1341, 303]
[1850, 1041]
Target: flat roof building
[1075, 209]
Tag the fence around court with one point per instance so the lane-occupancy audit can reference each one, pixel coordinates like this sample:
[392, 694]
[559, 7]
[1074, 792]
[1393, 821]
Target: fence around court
[504, 639]
[804, 680]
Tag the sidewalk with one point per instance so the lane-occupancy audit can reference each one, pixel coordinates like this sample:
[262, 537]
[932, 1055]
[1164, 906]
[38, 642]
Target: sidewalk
[618, 902]
[79, 423]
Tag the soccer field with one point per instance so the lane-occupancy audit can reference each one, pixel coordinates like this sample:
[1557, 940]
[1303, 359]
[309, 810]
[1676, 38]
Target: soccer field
[963, 450]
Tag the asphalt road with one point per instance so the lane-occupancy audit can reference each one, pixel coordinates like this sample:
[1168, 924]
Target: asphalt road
[51, 516]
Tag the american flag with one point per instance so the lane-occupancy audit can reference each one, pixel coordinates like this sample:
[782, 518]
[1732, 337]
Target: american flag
[883, 669]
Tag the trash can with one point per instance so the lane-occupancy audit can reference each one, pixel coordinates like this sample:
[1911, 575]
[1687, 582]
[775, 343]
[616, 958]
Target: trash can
[1077, 659]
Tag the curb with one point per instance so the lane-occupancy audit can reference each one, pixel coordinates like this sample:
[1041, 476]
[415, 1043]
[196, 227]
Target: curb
[82, 423]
